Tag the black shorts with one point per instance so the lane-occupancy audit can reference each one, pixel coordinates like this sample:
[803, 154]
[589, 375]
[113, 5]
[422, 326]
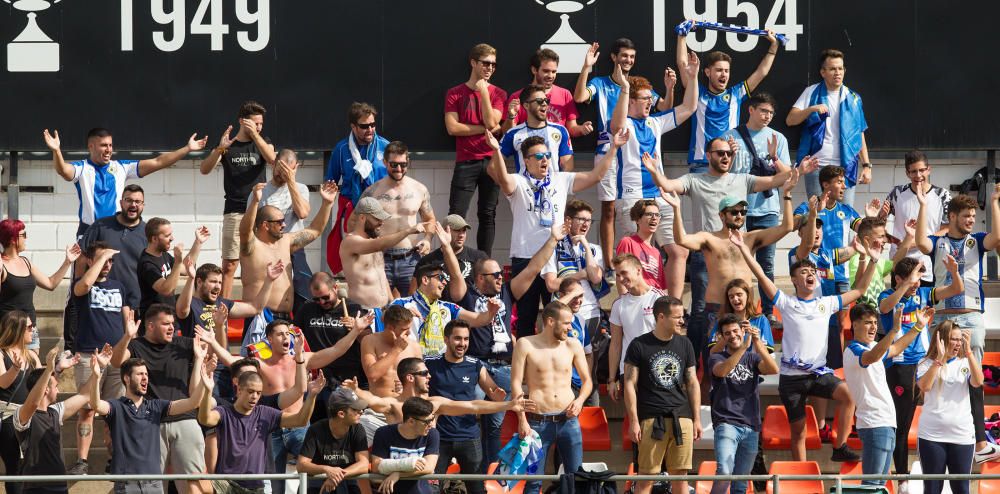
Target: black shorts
[794, 390]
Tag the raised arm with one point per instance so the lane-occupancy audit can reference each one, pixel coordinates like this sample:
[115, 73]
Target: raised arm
[166, 286]
[767, 366]
[772, 235]
[206, 415]
[247, 235]
[63, 169]
[587, 179]
[693, 242]
[976, 377]
[300, 203]
[360, 246]
[520, 283]
[377, 366]
[26, 410]
[619, 117]
[209, 163]
[297, 390]
[266, 150]
[183, 304]
[770, 291]
[682, 55]
[861, 285]
[764, 67]
[303, 237]
[457, 286]
[168, 159]
[326, 356]
[86, 282]
[957, 285]
[195, 389]
[100, 406]
[51, 282]
[808, 165]
[690, 104]
[992, 239]
[922, 317]
[669, 83]
[121, 352]
[808, 230]
[497, 169]
[301, 417]
[376, 403]
[722, 369]
[580, 92]
[652, 165]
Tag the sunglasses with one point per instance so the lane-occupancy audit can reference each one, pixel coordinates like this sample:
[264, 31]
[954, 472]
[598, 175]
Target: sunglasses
[398, 164]
[365, 126]
[487, 63]
[443, 277]
[720, 153]
[498, 274]
[540, 101]
[280, 221]
[737, 212]
[540, 156]
[423, 373]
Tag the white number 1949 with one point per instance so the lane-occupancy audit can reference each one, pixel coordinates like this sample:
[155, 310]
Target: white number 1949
[172, 38]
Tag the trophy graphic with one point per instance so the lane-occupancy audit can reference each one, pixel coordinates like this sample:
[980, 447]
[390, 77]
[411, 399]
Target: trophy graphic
[572, 49]
[32, 50]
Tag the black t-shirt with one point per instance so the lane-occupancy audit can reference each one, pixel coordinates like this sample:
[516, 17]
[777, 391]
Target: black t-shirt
[41, 446]
[324, 449]
[323, 329]
[484, 338]
[466, 259]
[243, 166]
[200, 314]
[734, 398]
[169, 366]
[153, 268]
[388, 443]
[129, 241]
[662, 366]
[99, 316]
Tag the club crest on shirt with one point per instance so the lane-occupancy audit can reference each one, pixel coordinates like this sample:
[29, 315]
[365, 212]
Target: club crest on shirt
[841, 215]
[970, 243]
[112, 168]
[725, 97]
[821, 308]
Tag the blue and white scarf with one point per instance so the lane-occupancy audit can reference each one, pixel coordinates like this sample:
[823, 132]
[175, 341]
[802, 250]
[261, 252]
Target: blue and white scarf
[852, 128]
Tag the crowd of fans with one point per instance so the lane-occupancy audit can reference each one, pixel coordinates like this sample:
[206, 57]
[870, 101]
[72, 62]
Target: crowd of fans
[415, 364]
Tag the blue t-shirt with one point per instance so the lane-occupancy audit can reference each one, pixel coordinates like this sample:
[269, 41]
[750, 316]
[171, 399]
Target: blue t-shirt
[556, 138]
[135, 435]
[716, 114]
[759, 205]
[99, 316]
[923, 298]
[458, 382]
[100, 187]
[735, 399]
[340, 168]
[838, 222]
[826, 263]
[605, 91]
[760, 322]
[578, 332]
[390, 444]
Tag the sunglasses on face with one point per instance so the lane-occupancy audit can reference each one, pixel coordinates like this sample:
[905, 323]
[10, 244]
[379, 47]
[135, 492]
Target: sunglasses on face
[497, 275]
[423, 373]
[541, 156]
[280, 221]
[398, 164]
[721, 152]
[443, 277]
[540, 101]
[365, 126]
[737, 212]
[487, 63]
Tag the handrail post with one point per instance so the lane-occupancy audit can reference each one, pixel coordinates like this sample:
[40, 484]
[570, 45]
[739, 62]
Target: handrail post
[303, 482]
[775, 484]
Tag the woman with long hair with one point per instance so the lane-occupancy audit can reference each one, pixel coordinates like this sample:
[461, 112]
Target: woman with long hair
[742, 301]
[18, 277]
[15, 334]
[946, 436]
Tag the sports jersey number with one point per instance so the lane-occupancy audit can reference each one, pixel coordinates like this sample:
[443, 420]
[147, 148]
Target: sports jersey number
[738, 12]
[175, 17]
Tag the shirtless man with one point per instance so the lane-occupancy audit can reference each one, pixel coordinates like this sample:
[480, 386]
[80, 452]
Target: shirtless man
[403, 198]
[544, 363]
[361, 252]
[722, 259]
[415, 379]
[263, 241]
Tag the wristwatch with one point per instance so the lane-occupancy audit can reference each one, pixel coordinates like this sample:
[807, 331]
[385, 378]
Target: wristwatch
[866, 165]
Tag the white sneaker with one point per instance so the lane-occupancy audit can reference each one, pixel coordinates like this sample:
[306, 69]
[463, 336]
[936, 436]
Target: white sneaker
[990, 453]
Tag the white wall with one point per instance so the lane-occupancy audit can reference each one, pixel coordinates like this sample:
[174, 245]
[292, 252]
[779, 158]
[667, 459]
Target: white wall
[189, 199]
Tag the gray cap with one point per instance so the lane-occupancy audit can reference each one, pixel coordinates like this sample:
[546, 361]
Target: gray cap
[371, 207]
[345, 398]
[456, 222]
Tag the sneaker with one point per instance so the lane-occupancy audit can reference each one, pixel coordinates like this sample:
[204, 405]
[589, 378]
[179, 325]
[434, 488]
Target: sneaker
[826, 433]
[844, 453]
[990, 453]
[80, 468]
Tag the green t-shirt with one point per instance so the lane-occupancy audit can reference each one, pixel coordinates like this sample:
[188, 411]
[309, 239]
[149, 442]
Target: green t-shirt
[882, 270]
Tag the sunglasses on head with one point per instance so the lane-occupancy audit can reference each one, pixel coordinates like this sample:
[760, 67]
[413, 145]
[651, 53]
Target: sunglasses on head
[540, 156]
[365, 126]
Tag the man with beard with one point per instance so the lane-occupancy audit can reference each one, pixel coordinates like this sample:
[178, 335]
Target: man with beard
[244, 159]
[356, 161]
[707, 191]
[170, 363]
[263, 241]
[661, 396]
[634, 182]
[134, 421]
[158, 270]
[431, 314]
[292, 199]
[125, 231]
[719, 107]
[543, 364]
[403, 199]
[562, 108]
[361, 252]
[605, 90]
[803, 371]
[492, 343]
[243, 429]
[537, 200]
[537, 104]
[467, 256]
[336, 446]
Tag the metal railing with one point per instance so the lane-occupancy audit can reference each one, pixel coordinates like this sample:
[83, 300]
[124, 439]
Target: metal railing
[303, 478]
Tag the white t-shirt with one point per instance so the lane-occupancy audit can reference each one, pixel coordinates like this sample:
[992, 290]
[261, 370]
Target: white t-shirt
[829, 154]
[804, 342]
[591, 308]
[635, 315]
[868, 387]
[633, 179]
[903, 206]
[530, 230]
[947, 415]
[281, 198]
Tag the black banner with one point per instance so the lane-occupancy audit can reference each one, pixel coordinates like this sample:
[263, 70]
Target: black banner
[154, 71]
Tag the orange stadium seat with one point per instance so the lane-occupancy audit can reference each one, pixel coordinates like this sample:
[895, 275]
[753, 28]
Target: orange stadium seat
[626, 438]
[235, 330]
[991, 358]
[911, 438]
[990, 486]
[854, 442]
[854, 468]
[594, 426]
[705, 486]
[494, 487]
[777, 432]
[509, 427]
[796, 486]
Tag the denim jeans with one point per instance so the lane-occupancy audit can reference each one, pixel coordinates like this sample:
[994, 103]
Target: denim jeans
[469, 454]
[735, 452]
[765, 255]
[285, 442]
[698, 274]
[877, 444]
[492, 423]
[399, 272]
[699, 328]
[813, 188]
[469, 175]
[569, 443]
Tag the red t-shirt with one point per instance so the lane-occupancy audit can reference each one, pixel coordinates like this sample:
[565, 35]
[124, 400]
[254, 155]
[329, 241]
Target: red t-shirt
[649, 257]
[562, 108]
[465, 102]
